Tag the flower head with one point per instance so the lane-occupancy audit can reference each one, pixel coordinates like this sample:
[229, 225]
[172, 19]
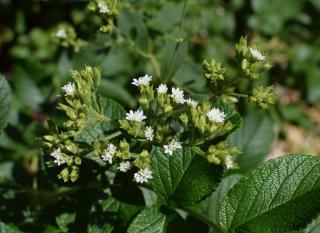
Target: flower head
[109, 153]
[171, 147]
[229, 162]
[149, 133]
[143, 175]
[103, 8]
[178, 95]
[191, 102]
[59, 159]
[69, 88]
[162, 89]
[257, 54]
[216, 115]
[135, 116]
[142, 81]
[124, 166]
[61, 33]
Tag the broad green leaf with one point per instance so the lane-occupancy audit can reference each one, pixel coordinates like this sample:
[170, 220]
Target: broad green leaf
[107, 228]
[279, 196]
[314, 226]
[94, 128]
[8, 228]
[183, 177]
[254, 139]
[208, 208]
[149, 220]
[5, 98]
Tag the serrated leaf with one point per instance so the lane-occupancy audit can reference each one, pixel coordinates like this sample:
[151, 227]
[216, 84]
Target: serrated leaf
[208, 208]
[254, 139]
[149, 220]
[279, 196]
[94, 129]
[64, 220]
[314, 226]
[5, 99]
[183, 177]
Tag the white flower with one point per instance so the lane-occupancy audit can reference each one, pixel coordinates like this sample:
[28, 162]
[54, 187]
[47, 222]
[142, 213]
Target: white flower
[171, 147]
[143, 175]
[61, 33]
[103, 8]
[124, 166]
[229, 162]
[69, 88]
[257, 54]
[149, 133]
[162, 89]
[135, 116]
[109, 153]
[177, 95]
[192, 102]
[142, 81]
[216, 115]
[59, 159]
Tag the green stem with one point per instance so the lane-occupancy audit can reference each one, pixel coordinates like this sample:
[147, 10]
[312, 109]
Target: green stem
[114, 135]
[240, 95]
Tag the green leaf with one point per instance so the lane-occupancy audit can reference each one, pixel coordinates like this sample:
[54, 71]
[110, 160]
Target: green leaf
[107, 228]
[208, 208]
[64, 220]
[281, 195]
[183, 177]
[5, 99]
[149, 220]
[8, 228]
[314, 226]
[94, 128]
[254, 139]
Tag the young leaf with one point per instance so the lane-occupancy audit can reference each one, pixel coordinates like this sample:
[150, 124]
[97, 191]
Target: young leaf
[183, 177]
[5, 98]
[149, 220]
[254, 139]
[94, 128]
[208, 208]
[281, 195]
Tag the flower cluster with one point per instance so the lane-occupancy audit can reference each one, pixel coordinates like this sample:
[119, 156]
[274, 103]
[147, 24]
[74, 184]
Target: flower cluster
[107, 10]
[166, 118]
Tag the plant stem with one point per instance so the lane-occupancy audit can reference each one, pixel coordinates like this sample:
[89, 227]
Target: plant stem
[240, 95]
[114, 135]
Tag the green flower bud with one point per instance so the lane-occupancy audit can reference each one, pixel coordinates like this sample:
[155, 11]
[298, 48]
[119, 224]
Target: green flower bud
[64, 174]
[74, 173]
[213, 70]
[213, 159]
[264, 96]
[77, 160]
[184, 118]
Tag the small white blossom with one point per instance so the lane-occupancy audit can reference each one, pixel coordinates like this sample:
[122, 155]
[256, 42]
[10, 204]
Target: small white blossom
[192, 102]
[142, 81]
[143, 175]
[171, 147]
[149, 133]
[61, 33]
[178, 95]
[109, 153]
[257, 54]
[103, 8]
[216, 115]
[162, 89]
[135, 116]
[59, 159]
[124, 166]
[229, 162]
[69, 89]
